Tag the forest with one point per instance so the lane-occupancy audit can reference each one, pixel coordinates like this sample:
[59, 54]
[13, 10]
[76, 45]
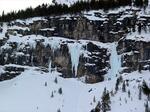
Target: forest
[58, 9]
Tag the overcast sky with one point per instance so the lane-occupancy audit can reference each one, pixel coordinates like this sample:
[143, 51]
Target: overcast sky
[9, 5]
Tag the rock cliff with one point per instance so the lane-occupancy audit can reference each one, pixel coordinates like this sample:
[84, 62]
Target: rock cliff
[80, 45]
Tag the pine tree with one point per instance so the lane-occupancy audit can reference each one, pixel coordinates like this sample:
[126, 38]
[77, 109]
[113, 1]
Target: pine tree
[140, 68]
[54, 1]
[105, 101]
[56, 81]
[138, 3]
[58, 110]
[47, 10]
[119, 80]
[145, 4]
[127, 83]
[117, 84]
[3, 13]
[94, 100]
[98, 107]
[112, 93]
[45, 83]
[146, 89]
[147, 109]
[140, 93]
[129, 93]
[52, 95]
[60, 91]
[124, 87]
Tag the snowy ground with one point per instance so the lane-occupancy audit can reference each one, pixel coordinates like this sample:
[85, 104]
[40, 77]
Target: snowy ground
[32, 92]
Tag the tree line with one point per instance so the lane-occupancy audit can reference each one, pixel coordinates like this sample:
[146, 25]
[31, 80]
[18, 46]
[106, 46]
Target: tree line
[57, 9]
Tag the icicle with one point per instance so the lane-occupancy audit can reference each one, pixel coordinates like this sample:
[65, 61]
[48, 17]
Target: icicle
[32, 60]
[50, 66]
[6, 57]
[4, 28]
[55, 44]
[75, 52]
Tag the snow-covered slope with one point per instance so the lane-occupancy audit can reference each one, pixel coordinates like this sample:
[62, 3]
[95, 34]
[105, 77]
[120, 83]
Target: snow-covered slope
[37, 91]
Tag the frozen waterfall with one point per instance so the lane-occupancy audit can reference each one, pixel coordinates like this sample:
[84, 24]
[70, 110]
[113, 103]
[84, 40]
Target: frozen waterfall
[75, 52]
[115, 62]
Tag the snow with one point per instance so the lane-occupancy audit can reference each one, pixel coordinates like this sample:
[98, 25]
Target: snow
[91, 15]
[31, 20]
[31, 41]
[48, 29]
[133, 103]
[67, 2]
[20, 21]
[28, 93]
[94, 18]
[119, 10]
[125, 16]
[4, 27]
[54, 42]
[139, 37]
[19, 53]
[18, 28]
[1, 69]
[32, 95]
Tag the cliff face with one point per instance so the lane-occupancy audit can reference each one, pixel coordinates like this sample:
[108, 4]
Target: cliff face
[93, 43]
[71, 58]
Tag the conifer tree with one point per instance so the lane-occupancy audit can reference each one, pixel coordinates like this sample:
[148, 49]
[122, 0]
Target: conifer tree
[118, 81]
[129, 93]
[58, 110]
[52, 95]
[147, 109]
[105, 101]
[94, 100]
[140, 93]
[117, 84]
[45, 83]
[54, 1]
[56, 81]
[146, 89]
[60, 91]
[124, 87]
[46, 10]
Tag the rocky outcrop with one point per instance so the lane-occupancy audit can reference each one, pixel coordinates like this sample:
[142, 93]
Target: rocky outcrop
[135, 55]
[10, 72]
[37, 42]
[93, 59]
